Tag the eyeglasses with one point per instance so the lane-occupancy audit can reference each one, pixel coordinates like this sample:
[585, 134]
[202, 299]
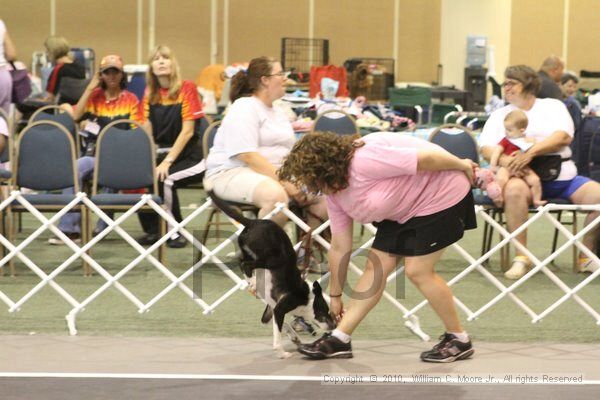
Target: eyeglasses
[509, 84]
[306, 191]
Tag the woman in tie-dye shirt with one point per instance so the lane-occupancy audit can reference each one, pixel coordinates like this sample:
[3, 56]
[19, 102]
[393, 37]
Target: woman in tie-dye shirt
[105, 100]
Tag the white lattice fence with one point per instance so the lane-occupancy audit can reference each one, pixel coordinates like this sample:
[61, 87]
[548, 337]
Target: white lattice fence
[472, 263]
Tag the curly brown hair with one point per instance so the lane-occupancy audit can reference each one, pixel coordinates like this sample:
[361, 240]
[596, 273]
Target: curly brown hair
[320, 160]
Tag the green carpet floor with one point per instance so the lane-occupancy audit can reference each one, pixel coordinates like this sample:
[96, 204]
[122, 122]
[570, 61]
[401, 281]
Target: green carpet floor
[239, 316]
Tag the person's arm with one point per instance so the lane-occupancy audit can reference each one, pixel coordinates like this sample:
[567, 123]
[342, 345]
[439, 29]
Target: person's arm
[486, 152]
[191, 111]
[260, 164]
[495, 156]
[339, 258]
[49, 97]
[144, 114]
[10, 51]
[436, 160]
[187, 131]
[552, 144]
[81, 107]
[147, 125]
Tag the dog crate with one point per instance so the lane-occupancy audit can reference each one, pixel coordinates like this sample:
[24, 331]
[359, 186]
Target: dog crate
[382, 71]
[299, 54]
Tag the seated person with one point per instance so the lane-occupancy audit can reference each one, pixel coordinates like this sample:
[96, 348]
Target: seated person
[568, 84]
[8, 53]
[552, 128]
[65, 66]
[105, 100]
[515, 124]
[172, 111]
[251, 143]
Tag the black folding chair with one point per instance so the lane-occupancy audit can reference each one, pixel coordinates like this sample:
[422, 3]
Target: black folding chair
[71, 90]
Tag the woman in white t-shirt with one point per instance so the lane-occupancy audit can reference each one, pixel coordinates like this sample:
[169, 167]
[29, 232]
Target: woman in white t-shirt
[251, 143]
[552, 128]
[7, 53]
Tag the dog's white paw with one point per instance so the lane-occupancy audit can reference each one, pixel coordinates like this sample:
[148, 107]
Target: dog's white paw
[284, 354]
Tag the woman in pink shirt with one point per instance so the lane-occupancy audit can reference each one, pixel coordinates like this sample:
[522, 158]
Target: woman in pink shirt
[419, 197]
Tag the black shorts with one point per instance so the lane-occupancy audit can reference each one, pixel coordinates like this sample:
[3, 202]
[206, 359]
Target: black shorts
[427, 234]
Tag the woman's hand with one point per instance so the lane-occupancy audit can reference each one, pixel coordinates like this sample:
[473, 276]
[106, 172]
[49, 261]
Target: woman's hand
[336, 309]
[469, 167]
[162, 171]
[519, 162]
[94, 82]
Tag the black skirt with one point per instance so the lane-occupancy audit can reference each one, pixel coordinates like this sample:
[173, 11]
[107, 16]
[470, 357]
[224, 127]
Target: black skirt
[426, 234]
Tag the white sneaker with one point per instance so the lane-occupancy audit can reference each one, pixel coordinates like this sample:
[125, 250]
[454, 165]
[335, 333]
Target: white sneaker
[520, 267]
[55, 241]
[587, 265]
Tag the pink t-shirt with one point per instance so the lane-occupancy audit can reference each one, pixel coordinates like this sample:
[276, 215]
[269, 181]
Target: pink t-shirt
[384, 184]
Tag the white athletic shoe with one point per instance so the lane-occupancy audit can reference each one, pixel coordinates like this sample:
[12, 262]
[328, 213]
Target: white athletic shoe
[585, 264]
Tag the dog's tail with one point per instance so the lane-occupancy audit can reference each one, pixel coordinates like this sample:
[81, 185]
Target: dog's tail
[229, 210]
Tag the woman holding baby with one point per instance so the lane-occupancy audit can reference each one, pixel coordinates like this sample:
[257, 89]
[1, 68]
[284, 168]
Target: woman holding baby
[551, 127]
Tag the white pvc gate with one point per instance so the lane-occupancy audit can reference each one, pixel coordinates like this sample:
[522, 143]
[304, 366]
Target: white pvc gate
[411, 319]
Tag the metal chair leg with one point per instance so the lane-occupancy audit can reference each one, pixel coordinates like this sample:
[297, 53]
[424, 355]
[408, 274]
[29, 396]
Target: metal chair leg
[207, 226]
[555, 238]
[504, 251]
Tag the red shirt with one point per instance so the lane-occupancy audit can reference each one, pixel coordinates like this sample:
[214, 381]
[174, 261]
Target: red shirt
[509, 147]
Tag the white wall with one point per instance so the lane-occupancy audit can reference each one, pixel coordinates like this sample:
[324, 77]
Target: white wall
[461, 18]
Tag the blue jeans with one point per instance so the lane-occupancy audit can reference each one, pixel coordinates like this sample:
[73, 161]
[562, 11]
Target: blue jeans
[71, 222]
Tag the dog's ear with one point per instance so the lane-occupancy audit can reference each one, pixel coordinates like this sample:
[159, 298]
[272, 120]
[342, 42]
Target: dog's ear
[267, 315]
[317, 288]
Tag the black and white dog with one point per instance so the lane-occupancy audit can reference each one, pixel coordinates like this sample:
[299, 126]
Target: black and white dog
[269, 263]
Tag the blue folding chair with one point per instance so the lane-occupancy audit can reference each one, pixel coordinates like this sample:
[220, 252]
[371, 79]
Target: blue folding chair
[336, 121]
[125, 159]
[137, 84]
[56, 114]
[45, 162]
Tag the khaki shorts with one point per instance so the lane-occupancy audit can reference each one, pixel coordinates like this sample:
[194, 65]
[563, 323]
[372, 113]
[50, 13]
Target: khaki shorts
[236, 184]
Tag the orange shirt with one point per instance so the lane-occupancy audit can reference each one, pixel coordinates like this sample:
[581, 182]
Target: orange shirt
[125, 106]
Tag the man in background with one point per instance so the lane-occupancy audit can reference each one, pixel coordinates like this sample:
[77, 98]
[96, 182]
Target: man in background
[550, 73]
